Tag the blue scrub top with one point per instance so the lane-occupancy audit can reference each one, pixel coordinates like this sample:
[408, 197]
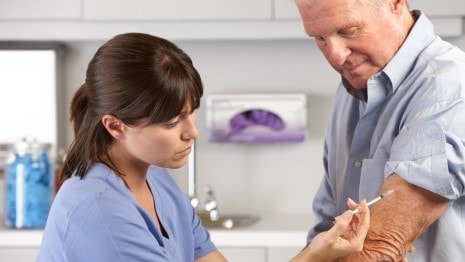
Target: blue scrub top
[97, 219]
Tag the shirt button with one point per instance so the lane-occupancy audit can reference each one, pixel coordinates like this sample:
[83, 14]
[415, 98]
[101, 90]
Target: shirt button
[358, 164]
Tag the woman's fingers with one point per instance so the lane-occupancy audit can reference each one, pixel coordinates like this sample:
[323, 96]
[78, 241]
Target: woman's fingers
[341, 224]
[352, 204]
[364, 219]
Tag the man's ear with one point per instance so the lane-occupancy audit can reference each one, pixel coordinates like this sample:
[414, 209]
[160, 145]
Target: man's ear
[113, 125]
[398, 6]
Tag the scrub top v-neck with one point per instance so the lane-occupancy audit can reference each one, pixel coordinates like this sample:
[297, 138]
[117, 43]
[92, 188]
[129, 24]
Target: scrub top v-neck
[97, 219]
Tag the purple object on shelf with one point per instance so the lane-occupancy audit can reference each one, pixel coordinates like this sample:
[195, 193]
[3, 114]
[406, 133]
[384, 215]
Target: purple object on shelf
[255, 117]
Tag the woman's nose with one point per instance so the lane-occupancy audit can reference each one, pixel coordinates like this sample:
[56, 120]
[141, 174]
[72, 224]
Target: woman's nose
[190, 131]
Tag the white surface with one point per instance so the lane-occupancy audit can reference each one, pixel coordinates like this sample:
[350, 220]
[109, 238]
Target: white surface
[191, 20]
[40, 9]
[28, 109]
[180, 30]
[287, 8]
[270, 231]
[440, 8]
[175, 9]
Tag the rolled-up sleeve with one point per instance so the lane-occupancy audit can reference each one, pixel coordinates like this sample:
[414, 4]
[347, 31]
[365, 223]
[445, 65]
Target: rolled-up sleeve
[427, 156]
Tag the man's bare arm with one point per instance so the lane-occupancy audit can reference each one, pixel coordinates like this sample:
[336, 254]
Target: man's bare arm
[398, 220]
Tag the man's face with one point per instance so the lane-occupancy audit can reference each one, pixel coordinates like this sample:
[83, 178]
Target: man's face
[357, 38]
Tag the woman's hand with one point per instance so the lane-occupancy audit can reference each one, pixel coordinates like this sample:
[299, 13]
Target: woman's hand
[345, 237]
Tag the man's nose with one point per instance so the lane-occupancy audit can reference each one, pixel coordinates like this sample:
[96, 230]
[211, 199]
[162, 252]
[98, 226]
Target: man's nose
[337, 52]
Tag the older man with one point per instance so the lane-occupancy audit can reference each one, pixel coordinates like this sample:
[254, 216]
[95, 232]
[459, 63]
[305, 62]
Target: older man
[397, 123]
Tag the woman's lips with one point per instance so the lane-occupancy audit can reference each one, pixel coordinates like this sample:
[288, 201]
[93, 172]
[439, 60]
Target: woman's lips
[185, 152]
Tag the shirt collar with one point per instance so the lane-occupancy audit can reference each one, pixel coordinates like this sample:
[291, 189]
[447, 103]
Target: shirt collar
[420, 36]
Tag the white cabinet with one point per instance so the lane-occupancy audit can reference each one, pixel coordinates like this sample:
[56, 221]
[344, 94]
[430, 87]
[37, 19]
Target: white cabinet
[40, 9]
[244, 254]
[82, 20]
[286, 9]
[176, 9]
[447, 15]
[19, 254]
[259, 254]
[281, 254]
[439, 8]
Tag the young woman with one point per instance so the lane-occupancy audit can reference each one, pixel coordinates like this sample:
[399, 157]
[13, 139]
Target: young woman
[133, 117]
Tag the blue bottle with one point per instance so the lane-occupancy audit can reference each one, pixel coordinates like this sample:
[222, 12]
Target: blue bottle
[28, 186]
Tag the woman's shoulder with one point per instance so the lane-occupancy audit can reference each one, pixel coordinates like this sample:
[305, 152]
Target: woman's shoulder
[99, 185]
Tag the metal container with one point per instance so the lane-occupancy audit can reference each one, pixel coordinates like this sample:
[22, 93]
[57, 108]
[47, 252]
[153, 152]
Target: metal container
[28, 185]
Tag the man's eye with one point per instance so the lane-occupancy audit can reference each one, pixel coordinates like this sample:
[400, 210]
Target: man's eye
[351, 31]
[320, 40]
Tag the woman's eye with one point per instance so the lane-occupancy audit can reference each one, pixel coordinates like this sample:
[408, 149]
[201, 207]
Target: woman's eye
[172, 123]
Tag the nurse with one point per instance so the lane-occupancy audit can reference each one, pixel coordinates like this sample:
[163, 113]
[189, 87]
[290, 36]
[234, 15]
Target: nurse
[134, 117]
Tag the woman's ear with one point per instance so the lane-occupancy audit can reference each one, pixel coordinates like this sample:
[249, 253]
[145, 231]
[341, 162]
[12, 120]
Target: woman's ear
[113, 125]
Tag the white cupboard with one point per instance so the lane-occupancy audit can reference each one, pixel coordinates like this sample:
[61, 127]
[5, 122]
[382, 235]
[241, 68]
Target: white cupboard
[245, 254]
[137, 10]
[81, 20]
[440, 8]
[40, 9]
[447, 15]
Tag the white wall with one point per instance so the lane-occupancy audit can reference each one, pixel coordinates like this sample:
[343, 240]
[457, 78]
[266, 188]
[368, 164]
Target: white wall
[251, 178]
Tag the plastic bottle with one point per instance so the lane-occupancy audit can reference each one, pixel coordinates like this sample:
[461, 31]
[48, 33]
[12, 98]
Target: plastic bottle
[28, 185]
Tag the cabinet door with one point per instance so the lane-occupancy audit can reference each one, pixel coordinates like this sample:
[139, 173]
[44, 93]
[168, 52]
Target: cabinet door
[286, 9]
[244, 254]
[445, 15]
[18, 254]
[439, 8]
[40, 9]
[280, 254]
[176, 9]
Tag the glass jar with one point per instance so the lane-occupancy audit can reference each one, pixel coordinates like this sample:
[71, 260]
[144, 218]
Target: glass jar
[28, 185]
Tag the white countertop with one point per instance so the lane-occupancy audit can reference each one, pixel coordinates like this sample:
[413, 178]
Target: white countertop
[283, 230]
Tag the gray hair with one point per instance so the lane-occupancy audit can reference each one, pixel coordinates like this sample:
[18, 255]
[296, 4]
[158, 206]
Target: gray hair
[379, 3]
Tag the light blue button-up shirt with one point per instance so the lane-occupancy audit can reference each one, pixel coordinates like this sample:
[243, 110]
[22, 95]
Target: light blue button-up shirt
[414, 125]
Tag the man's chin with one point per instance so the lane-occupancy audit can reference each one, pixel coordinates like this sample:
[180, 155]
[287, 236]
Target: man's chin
[356, 83]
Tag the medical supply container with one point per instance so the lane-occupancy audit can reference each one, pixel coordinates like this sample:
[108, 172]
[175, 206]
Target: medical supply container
[28, 185]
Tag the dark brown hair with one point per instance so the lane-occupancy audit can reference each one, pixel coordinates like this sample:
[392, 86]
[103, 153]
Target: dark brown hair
[135, 77]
